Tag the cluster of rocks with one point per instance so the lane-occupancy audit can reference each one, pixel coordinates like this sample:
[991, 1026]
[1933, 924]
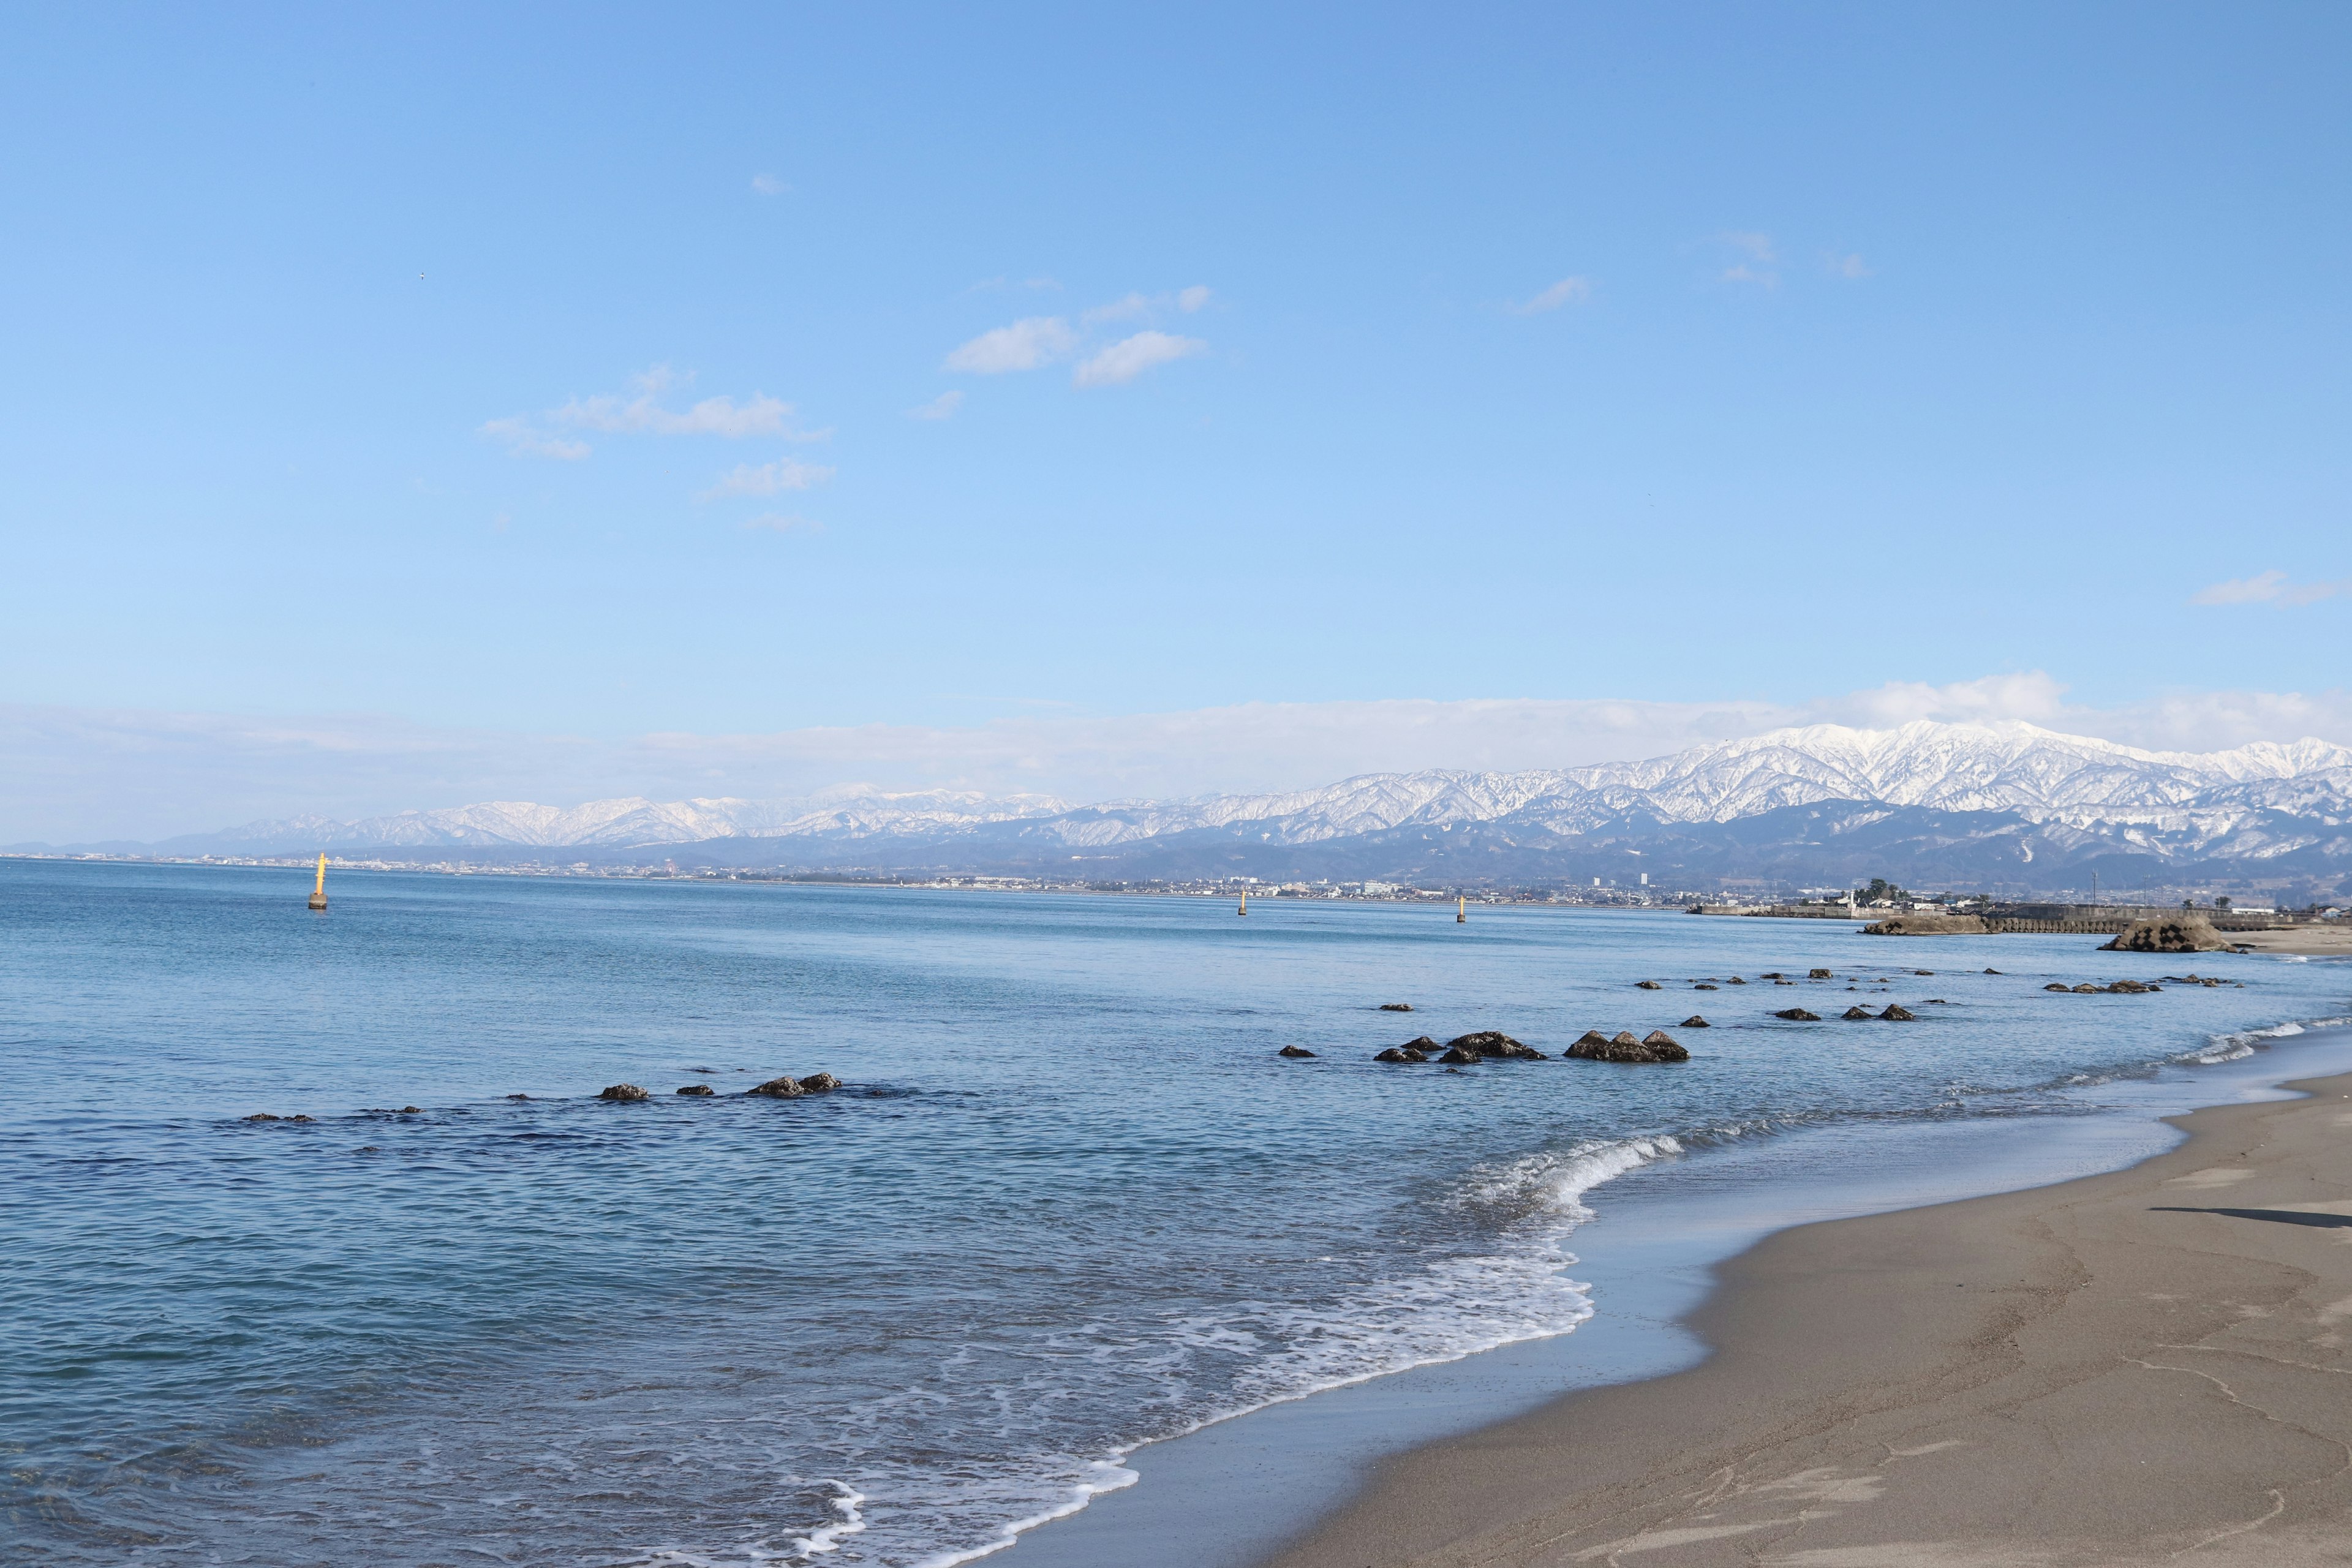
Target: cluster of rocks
[1490, 1045]
[2120, 988]
[775, 1089]
[2183, 933]
[268, 1116]
[1895, 1014]
[1657, 1046]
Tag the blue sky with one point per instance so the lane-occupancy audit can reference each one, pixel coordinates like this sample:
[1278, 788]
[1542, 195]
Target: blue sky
[563, 373]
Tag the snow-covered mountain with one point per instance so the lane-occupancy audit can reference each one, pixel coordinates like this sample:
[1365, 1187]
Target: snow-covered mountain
[2079, 797]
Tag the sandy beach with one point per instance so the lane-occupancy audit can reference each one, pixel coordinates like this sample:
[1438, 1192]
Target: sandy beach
[2149, 1365]
[2333, 940]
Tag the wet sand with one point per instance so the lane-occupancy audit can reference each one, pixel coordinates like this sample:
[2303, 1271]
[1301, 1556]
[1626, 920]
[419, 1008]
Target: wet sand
[2332, 940]
[2150, 1365]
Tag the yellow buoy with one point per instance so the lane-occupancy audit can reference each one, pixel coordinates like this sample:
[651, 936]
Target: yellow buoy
[1462, 911]
[1245, 909]
[318, 893]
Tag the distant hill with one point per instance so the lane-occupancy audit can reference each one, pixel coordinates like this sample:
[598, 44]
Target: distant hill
[1931, 803]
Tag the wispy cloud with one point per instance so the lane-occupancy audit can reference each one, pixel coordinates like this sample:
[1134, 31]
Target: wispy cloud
[2269, 587]
[1566, 291]
[766, 479]
[1754, 259]
[523, 441]
[769, 185]
[1849, 266]
[784, 523]
[643, 415]
[1116, 310]
[1130, 357]
[1026, 345]
[943, 406]
[1192, 299]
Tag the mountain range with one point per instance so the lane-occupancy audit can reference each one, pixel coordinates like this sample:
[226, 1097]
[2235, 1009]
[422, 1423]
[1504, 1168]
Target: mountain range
[1998, 805]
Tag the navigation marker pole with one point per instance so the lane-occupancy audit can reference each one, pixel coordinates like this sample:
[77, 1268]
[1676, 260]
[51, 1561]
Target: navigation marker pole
[1462, 909]
[1245, 909]
[318, 893]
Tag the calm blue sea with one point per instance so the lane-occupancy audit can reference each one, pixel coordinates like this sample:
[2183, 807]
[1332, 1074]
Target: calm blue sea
[1070, 1201]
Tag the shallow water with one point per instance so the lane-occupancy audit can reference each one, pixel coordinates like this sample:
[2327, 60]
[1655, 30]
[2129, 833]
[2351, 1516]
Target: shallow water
[1071, 1201]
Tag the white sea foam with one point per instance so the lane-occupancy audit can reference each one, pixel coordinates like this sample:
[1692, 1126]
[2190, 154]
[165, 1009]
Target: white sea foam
[2240, 1043]
[1103, 1476]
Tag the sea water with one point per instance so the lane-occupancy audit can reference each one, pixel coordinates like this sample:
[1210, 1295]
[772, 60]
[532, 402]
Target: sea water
[1070, 1200]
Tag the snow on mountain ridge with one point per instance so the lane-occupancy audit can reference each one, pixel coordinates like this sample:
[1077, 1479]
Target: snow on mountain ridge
[2038, 774]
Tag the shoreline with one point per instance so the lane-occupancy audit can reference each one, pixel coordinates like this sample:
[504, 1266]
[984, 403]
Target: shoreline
[2124, 1366]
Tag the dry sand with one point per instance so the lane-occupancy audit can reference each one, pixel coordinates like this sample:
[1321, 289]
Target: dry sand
[2151, 1366]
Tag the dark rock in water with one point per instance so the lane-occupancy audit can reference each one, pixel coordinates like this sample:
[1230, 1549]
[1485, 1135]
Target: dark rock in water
[1696, 1022]
[697, 1089]
[623, 1091]
[2183, 933]
[1898, 1014]
[1396, 1006]
[2086, 989]
[1993, 971]
[1784, 983]
[1623, 1047]
[1798, 1016]
[1294, 1051]
[412, 1111]
[819, 1083]
[1456, 1055]
[1649, 985]
[787, 1087]
[518, 1097]
[1936, 1002]
[1702, 987]
[1820, 974]
[264, 1116]
[1491, 1043]
[1402, 1054]
[1857, 1012]
[2055, 985]
[1923, 971]
[1422, 1043]
[1735, 979]
[300, 1118]
[1771, 974]
[2130, 987]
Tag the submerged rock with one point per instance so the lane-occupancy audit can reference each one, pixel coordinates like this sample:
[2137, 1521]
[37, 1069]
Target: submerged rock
[697, 1089]
[1493, 1043]
[263, 1116]
[787, 1088]
[1821, 974]
[1649, 985]
[1898, 1014]
[1696, 1022]
[2183, 933]
[1396, 1006]
[518, 1097]
[1701, 986]
[622, 1092]
[1798, 1016]
[1993, 971]
[2055, 986]
[1735, 979]
[301, 1118]
[1294, 1051]
[2086, 989]
[2130, 987]
[1403, 1054]
[1623, 1047]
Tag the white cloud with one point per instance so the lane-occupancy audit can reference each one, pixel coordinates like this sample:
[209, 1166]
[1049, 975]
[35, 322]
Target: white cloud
[643, 415]
[1192, 299]
[1756, 258]
[767, 480]
[81, 775]
[1116, 310]
[784, 523]
[1560, 293]
[525, 442]
[2269, 587]
[1024, 345]
[1849, 266]
[943, 406]
[1130, 357]
[769, 185]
